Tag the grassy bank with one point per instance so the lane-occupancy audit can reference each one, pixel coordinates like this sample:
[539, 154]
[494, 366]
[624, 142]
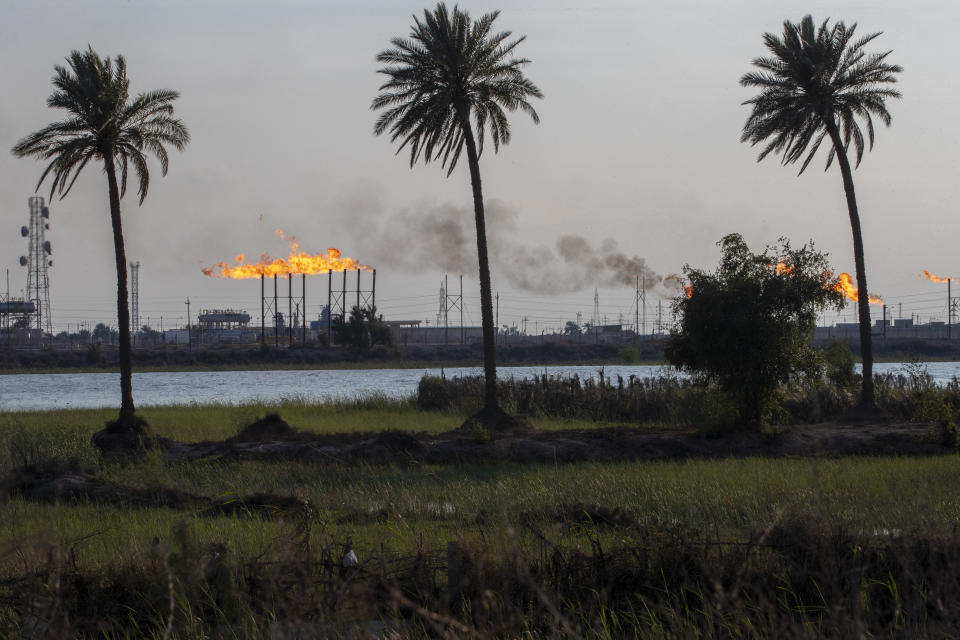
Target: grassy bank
[236, 548]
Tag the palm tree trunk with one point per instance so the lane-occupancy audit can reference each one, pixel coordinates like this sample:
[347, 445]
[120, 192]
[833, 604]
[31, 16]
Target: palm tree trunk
[867, 400]
[123, 312]
[490, 405]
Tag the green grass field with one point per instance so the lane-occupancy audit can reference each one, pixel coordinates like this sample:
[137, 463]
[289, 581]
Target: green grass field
[397, 513]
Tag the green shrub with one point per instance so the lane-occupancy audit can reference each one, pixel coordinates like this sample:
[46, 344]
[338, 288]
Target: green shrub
[432, 394]
[476, 432]
[937, 411]
[840, 361]
[95, 353]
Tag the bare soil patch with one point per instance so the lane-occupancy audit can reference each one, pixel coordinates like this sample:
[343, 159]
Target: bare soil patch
[602, 444]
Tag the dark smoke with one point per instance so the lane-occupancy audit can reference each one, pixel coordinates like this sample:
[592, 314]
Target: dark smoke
[443, 237]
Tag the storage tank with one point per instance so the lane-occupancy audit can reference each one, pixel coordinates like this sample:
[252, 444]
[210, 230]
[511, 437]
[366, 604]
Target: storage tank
[17, 306]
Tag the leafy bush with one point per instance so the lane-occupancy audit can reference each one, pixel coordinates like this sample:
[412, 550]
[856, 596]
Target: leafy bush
[840, 363]
[747, 326]
[940, 414]
[433, 394]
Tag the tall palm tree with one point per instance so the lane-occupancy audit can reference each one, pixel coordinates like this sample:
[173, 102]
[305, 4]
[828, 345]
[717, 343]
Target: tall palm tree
[450, 76]
[819, 83]
[105, 124]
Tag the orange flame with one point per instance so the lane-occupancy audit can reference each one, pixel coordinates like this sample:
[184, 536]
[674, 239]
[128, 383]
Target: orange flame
[293, 264]
[782, 269]
[688, 290]
[935, 278]
[845, 286]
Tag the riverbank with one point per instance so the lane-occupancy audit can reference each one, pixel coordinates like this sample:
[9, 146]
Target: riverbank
[172, 358]
[251, 358]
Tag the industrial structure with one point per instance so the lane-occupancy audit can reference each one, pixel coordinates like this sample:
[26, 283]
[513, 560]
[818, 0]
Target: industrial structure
[27, 319]
[294, 325]
[37, 262]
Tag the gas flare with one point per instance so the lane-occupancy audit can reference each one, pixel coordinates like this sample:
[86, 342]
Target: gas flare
[935, 278]
[298, 262]
[782, 269]
[845, 286]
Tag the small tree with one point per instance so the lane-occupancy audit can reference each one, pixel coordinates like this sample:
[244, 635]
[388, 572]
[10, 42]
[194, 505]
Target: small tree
[748, 325]
[103, 333]
[363, 329]
[572, 329]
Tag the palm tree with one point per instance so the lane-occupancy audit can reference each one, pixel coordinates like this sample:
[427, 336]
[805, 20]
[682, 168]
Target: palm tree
[452, 76]
[104, 124]
[820, 83]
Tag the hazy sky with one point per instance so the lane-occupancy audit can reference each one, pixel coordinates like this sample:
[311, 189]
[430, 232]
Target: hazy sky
[637, 152]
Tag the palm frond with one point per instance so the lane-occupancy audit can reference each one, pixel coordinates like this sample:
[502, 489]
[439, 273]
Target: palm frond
[103, 122]
[817, 75]
[449, 74]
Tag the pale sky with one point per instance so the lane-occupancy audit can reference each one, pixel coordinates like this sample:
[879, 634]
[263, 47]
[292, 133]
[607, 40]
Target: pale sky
[638, 143]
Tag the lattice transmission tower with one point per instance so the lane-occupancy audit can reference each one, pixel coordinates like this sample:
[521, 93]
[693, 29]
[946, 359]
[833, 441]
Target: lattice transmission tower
[37, 262]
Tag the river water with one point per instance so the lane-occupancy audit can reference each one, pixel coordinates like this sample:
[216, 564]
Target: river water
[46, 391]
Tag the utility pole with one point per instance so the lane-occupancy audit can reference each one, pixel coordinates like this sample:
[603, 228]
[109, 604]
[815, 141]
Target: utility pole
[189, 333]
[636, 311]
[135, 298]
[643, 299]
[7, 316]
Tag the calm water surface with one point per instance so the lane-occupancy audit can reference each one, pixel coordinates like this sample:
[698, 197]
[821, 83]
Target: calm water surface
[93, 390]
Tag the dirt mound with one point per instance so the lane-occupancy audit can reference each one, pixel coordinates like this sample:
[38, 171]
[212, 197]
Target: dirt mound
[269, 428]
[272, 438]
[67, 483]
[62, 482]
[396, 441]
[128, 441]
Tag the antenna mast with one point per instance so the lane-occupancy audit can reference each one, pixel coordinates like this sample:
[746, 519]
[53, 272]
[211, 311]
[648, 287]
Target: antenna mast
[37, 261]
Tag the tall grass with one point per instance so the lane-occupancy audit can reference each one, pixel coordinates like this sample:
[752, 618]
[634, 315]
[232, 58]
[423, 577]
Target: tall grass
[670, 400]
[859, 546]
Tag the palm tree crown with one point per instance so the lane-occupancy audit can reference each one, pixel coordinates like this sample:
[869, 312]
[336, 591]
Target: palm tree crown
[103, 124]
[447, 70]
[817, 78]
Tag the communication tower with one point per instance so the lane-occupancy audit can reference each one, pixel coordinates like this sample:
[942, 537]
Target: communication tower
[37, 261]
